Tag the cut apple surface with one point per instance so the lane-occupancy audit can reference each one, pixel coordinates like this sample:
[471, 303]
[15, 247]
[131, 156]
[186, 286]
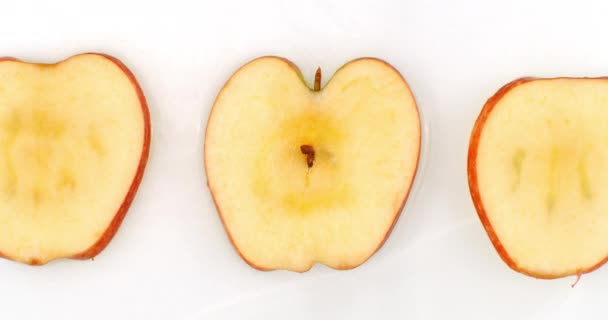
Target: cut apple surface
[74, 140]
[538, 174]
[301, 176]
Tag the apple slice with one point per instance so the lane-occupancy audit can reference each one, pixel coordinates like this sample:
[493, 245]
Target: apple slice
[538, 174]
[74, 141]
[301, 176]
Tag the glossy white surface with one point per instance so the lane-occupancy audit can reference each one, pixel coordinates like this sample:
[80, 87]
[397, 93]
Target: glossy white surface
[171, 258]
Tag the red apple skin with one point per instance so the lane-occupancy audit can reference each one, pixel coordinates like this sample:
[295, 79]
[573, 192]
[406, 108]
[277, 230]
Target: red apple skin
[474, 185]
[109, 233]
[299, 73]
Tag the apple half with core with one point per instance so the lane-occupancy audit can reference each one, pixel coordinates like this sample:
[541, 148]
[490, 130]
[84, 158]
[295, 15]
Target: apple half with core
[538, 174]
[302, 175]
[74, 141]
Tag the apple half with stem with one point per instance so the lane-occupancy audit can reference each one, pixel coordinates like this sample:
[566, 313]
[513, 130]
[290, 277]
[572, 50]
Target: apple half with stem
[538, 174]
[302, 176]
[74, 142]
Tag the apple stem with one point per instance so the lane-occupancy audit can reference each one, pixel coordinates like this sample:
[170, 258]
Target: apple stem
[578, 277]
[317, 86]
[309, 151]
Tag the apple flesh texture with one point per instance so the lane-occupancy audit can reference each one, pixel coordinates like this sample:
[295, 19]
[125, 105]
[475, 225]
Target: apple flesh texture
[73, 143]
[364, 128]
[538, 170]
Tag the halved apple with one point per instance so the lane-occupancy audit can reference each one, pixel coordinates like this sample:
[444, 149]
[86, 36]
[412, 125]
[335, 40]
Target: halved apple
[538, 174]
[301, 176]
[74, 141]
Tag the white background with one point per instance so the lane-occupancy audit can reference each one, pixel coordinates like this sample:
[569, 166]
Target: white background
[171, 258]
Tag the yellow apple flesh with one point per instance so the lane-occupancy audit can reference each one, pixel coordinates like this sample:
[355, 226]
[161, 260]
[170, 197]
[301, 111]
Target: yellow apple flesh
[74, 140]
[301, 176]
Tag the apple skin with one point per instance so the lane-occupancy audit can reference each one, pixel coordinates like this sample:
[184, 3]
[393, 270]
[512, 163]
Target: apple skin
[299, 73]
[107, 236]
[474, 186]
